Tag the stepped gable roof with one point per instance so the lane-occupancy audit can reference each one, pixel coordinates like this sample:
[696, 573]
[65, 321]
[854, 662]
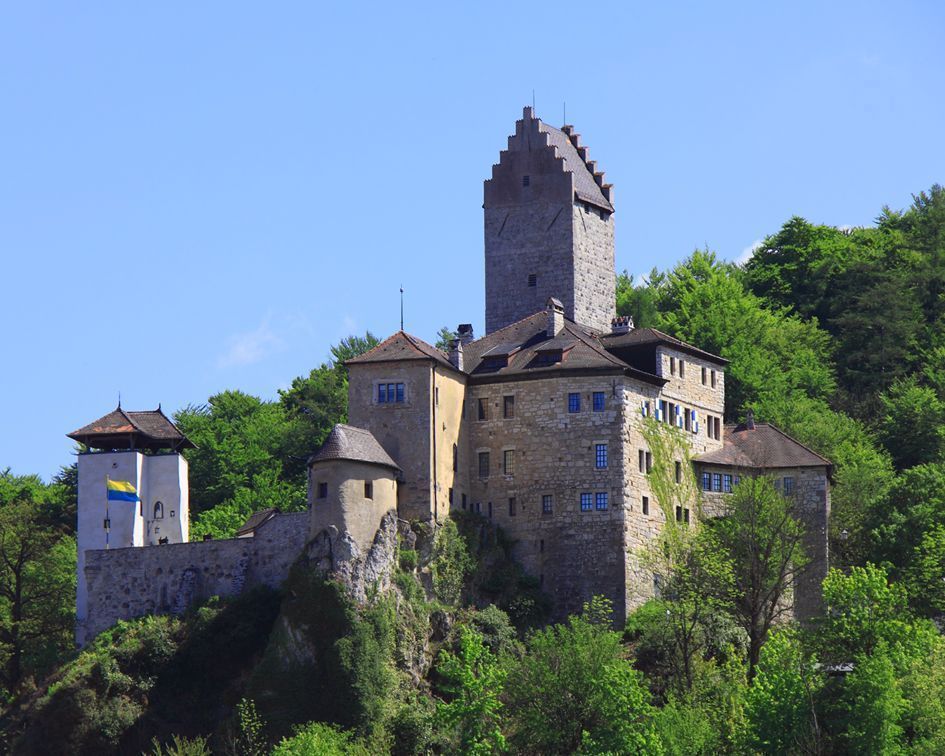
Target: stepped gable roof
[255, 520]
[585, 186]
[763, 446]
[523, 349]
[355, 444]
[124, 429]
[402, 346]
[651, 336]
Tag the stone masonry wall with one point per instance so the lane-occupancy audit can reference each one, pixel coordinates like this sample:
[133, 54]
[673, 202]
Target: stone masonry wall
[132, 582]
[402, 429]
[575, 554]
[595, 303]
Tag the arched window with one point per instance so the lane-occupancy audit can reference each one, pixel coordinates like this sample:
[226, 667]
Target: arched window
[158, 510]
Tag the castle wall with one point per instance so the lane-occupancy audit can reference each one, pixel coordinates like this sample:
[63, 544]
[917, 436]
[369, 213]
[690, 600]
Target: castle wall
[575, 554]
[402, 429]
[346, 506]
[132, 582]
[595, 281]
[537, 239]
[447, 426]
[689, 391]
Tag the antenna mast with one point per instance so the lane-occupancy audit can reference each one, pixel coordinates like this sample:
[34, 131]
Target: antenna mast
[401, 307]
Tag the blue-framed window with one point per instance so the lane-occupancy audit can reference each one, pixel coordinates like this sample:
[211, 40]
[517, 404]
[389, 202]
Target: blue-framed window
[598, 399]
[600, 456]
[601, 501]
[390, 393]
[717, 482]
[574, 402]
[727, 483]
[788, 486]
[706, 481]
[587, 502]
[547, 504]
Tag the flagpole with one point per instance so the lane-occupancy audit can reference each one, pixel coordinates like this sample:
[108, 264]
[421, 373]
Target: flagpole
[107, 523]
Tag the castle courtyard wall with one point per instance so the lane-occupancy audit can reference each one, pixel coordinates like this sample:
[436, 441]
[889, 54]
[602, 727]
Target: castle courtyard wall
[132, 582]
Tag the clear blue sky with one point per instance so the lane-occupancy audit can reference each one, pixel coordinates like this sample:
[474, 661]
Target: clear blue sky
[203, 196]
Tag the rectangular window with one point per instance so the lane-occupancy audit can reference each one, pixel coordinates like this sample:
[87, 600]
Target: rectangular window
[451, 497]
[508, 461]
[526, 180]
[463, 499]
[369, 489]
[685, 514]
[388, 393]
[574, 402]
[682, 368]
[601, 501]
[713, 379]
[672, 366]
[646, 505]
[717, 482]
[322, 490]
[678, 514]
[483, 464]
[679, 472]
[642, 461]
[598, 401]
[735, 482]
[687, 422]
[706, 481]
[508, 406]
[455, 457]
[482, 406]
[703, 376]
[512, 506]
[663, 411]
[600, 456]
[478, 507]
[649, 461]
[726, 483]
[587, 502]
[547, 504]
[541, 546]
[788, 486]
[532, 280]
[490, 510]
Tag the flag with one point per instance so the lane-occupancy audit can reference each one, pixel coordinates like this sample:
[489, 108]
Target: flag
[120, 490]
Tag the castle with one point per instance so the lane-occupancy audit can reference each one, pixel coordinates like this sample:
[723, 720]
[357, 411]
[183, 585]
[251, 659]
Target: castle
[543, 425]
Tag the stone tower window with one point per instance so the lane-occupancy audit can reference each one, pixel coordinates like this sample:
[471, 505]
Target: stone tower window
[679, 472]
[642, 461]
[484, 464]
[322, 490]
[532, 280]
[672, 366]
[526, 180]
[586, 502]
[646, 505]
[547, 505]
[574, 402]
[601, 501]
[369, 489]
[158, 510]
[600, 456]
[713, 379]
[682, 368]
[598, 399]
[455, 457]
[703, 376]
[512, 506]
[508, 407]
[508, 461]
[483, 409]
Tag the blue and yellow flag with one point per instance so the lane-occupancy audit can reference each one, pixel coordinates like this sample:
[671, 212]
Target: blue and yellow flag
[121, 490]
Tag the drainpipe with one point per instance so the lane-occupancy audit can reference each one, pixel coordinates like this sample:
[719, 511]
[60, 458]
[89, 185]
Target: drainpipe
[436, 512]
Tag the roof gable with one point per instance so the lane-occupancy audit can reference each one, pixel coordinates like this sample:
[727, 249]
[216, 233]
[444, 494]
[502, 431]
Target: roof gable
[402, 346]
[148, 429]
[763, 447]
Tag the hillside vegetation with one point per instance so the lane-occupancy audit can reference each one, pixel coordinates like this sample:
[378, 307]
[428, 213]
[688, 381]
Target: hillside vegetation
[835, 335]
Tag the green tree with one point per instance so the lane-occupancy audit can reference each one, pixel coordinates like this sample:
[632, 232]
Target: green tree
[874, 705]
[444, 338]
[639, 301]
[37, 588]
[911, 425]
[925, 573]
[781, 708]
[574, 689]
[764, 541]
[321, 739]
[473, 680]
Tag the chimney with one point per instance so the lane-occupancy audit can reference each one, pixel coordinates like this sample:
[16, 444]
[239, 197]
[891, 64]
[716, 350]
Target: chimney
[621, 324]
[465, 332]
[456, 353]
[555, 311]
[750, 420]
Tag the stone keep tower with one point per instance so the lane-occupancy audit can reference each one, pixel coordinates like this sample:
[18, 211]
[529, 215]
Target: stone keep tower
[141, 448]
[549, 229]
